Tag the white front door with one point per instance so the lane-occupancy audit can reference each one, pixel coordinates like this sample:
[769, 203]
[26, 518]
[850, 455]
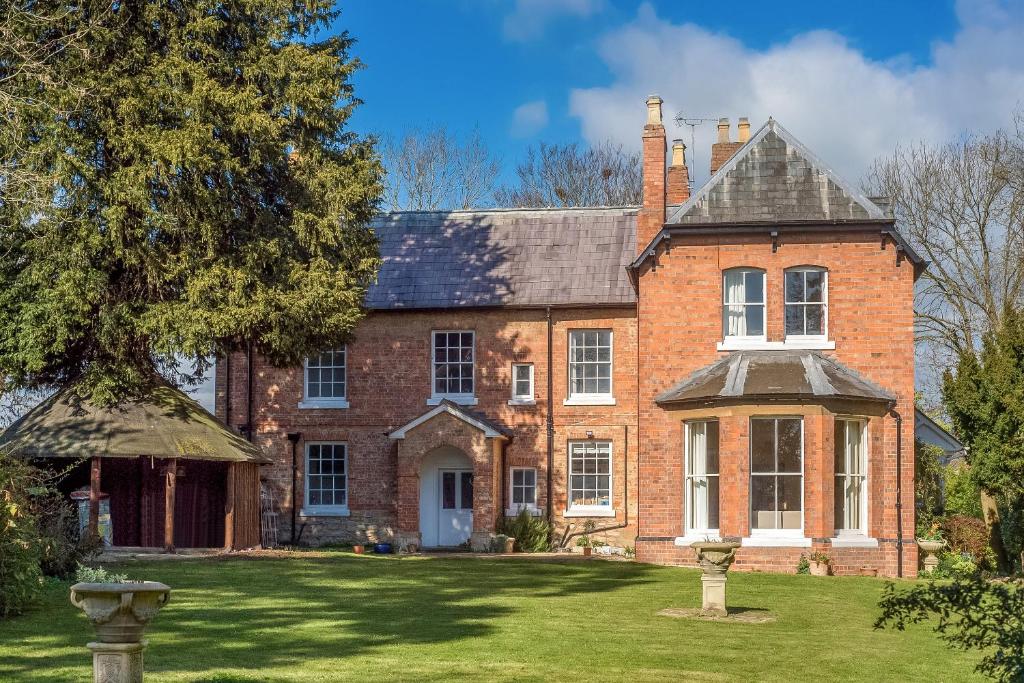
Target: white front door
[455, 518]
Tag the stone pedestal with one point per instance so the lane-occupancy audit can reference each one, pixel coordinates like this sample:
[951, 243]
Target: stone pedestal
[117, 662]
[480, 541]
[931, 562]
[713, 603]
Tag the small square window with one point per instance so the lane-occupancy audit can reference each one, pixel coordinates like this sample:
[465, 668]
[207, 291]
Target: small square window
[522, 382]
[524, 488]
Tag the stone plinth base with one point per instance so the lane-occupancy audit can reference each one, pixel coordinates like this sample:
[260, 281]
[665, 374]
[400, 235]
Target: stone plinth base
[480, 541]
[931, 563]
[117, 662]
[713, 603]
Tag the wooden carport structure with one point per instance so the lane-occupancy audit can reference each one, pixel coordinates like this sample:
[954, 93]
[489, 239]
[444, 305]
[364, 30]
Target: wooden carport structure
[138, 453]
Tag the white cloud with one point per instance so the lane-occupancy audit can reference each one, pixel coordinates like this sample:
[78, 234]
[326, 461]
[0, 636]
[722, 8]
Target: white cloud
[529, 118]
[529, 17]
[848, 108]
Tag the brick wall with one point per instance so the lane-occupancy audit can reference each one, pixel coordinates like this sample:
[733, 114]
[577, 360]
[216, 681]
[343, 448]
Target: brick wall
[870, 300]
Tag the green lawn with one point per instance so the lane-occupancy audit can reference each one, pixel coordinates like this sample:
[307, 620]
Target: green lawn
[338, 616]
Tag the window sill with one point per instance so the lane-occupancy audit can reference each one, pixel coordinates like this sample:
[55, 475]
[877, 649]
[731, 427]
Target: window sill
[461, 399]
[514, 512]
[590, 512]
[694, 536]
[590, 400]
[788, 345]
[313, 403]
[854, 542]
[324, 512]
[776, 542]
[522, 402]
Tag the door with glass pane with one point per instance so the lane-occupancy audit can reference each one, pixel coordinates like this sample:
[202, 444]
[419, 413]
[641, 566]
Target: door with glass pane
[455, 518]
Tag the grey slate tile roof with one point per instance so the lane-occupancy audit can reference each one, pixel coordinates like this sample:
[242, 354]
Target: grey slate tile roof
[775, 178]
[774, 374]
[521, 257]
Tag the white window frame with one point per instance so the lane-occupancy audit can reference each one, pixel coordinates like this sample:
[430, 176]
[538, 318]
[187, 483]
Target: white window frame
[745, 338]
[688, 477]
[309, 510]
[788, 537]
[322, 401]
[808, 338]
[458, 397]
[590, 399]
[591, 510]
[861, 532]
[527, 399]
[513, 507]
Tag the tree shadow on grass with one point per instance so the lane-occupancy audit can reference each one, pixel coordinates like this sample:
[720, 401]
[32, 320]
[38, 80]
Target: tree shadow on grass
[277, 613]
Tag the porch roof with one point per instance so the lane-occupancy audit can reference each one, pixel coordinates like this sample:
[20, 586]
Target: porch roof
[489, 428]
[165, 424]
[773, 375]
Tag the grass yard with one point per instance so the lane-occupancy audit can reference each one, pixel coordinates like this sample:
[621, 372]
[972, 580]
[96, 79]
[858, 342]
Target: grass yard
[337, 616]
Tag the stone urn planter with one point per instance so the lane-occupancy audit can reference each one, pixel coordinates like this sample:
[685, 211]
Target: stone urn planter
[715, 558]
[818, 568]
[119, 612]
[930, 548]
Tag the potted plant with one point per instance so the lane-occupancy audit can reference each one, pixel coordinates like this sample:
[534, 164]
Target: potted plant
[930, 541]
[819, 563]
[118, 609]
[359, 548]
[584, 540]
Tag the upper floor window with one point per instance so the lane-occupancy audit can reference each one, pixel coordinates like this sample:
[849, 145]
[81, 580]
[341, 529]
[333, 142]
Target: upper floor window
[453, 365]
[325, 380]
[522, 383]
[326, 478]
[590, 366]
[806, 302]
[851, 466]
[743, 303]
[702, 476]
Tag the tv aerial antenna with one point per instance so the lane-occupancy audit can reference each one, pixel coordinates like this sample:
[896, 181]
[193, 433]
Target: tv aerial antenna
[682, 119]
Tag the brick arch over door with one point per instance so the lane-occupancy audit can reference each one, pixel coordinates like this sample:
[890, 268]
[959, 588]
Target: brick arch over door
[446, 430]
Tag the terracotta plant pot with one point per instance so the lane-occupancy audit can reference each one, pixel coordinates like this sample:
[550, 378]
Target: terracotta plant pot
[715, 557]
[868, 571]
[587, 550]
[359, 549]
[120, 612]
[819, 568]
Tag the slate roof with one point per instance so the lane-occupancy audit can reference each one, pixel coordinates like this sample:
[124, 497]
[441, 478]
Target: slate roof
[165, 424]
[774, 374]
[775, 178]
[520, 257]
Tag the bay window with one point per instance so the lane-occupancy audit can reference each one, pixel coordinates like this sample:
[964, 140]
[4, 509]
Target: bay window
[851, 477]
[701, 477]
[776, 475]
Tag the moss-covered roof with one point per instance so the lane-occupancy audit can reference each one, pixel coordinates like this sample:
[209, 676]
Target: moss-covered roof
[165, 424]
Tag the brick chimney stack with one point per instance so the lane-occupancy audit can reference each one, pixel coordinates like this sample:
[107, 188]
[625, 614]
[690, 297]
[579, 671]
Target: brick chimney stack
[678, 175]
[652, 213]
[723, 150]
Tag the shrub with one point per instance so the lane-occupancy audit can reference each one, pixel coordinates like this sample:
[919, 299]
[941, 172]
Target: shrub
[962, 496]
[955, 566]
[968, 536]
[62, 546]
[532, 534]
[973, 614]
[20, 552]
[84, 574]
[803, 566]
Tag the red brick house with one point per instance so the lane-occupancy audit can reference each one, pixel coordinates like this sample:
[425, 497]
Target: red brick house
[737, 363]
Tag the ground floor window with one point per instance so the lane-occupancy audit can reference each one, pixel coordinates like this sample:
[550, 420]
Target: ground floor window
[851, 477]
[701, 494]
[590, 475]
[326, 477]
[524, 488]
[776, 474]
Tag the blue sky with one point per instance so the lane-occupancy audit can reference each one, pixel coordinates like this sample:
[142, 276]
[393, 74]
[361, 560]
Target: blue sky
[851, 80]
[579, 69]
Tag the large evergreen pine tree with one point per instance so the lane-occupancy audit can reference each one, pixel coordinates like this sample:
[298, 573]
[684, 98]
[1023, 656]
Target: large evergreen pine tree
[200, 189]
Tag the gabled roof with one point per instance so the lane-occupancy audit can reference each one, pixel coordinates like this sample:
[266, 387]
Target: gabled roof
[165, 424]
[504, 257]
[774, 375]
[490, 429]
[931, 432]
[775, 178]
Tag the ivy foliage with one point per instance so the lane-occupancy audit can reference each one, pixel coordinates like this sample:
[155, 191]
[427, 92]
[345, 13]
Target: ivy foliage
[201, 190]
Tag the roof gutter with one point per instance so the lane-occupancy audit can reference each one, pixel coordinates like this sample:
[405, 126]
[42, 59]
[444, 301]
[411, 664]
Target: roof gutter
[748, 398]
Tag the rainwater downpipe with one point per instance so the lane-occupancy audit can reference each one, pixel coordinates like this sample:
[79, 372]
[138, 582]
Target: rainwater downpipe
[550, 419]
[899, 491]
[293, 438]
[248, 392]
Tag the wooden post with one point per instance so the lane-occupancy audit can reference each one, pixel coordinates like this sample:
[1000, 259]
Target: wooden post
[229, 506]
[169, 490]
[94, 497]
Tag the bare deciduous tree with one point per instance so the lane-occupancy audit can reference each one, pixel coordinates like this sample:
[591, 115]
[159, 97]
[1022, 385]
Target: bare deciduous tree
[431, 171]
[570, 175]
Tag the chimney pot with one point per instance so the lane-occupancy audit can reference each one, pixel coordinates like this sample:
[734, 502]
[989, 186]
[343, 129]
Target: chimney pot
[678, 153]
[723, 129]
[654, 110]
[744, 129]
